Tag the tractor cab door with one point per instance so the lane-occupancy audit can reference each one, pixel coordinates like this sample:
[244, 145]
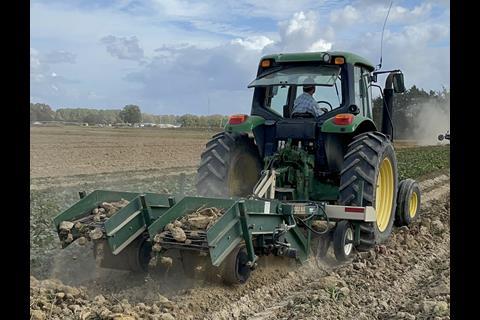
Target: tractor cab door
[363, 91]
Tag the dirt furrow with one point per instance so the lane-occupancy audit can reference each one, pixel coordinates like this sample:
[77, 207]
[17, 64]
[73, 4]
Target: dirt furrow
[407, 278]
[396, 284]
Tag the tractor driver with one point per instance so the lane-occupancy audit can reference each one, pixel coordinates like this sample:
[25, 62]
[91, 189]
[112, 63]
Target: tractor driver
[306, 104]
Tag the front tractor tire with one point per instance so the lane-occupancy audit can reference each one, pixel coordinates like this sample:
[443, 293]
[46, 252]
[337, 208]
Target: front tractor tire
[370, 159]
[230, 166]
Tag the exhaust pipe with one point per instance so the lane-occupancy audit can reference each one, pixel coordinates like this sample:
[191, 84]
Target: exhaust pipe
[387, 110]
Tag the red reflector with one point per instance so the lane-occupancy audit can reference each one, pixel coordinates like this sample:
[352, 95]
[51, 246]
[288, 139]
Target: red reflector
[237, 118]
[350, 209]
[343, 119]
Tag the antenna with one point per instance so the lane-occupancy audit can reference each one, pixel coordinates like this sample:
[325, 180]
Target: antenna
[381, 42]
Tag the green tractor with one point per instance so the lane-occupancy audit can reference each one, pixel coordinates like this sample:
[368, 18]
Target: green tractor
[339, 157]
[284, 181]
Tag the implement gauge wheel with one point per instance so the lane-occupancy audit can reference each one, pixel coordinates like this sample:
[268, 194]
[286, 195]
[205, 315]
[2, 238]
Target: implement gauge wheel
[234, 269]
[230, 166]
[370, 160]
[343, 240]
[408, 202]
[134, 257]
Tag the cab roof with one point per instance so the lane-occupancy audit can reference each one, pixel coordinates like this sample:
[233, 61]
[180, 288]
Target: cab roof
[317, 56]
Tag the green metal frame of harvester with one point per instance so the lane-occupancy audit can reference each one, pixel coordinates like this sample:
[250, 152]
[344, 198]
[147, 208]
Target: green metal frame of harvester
[275, 175]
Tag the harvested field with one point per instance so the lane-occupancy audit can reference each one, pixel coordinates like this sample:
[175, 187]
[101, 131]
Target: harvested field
[408, 278]
[67, 151]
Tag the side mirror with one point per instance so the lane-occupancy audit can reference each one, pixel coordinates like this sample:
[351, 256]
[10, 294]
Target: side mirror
[398, 84]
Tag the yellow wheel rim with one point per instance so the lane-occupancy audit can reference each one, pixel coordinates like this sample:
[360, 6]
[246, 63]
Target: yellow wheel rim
[413, 204]
[384, 194]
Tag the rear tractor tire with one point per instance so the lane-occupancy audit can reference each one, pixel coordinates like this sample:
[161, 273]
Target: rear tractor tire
[408, 202]
[230, 166]
[370, 159]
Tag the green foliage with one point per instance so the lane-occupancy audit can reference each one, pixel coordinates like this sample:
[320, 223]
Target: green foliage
[192, 121]
[415, 162]
[91, 116]
[41, 112]
[131, 114]
[335, 293]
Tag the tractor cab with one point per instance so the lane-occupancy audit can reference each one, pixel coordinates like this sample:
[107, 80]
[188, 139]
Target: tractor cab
[341, 81]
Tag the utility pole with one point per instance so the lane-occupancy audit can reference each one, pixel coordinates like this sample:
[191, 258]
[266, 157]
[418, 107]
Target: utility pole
[208, 111]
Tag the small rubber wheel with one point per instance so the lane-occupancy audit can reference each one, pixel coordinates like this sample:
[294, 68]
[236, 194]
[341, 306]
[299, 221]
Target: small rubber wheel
[234, 270]
[408, 202]
[343, 240]
[323, 245]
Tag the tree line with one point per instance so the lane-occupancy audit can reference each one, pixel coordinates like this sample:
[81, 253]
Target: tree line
[407, 109]
[130, 114]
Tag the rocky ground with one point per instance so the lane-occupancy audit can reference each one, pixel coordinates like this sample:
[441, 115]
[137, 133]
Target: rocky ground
[406, 278]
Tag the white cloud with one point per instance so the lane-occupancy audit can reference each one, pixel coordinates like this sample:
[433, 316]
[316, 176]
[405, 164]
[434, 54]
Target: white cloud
[417, 35]
[253, 43]
[302, 33]
[346, 16]
[301, 23]
[320, 45]
[399, 14]
[192, 52]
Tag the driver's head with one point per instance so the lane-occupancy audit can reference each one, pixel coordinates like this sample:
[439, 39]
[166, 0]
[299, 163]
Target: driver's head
[309, 89]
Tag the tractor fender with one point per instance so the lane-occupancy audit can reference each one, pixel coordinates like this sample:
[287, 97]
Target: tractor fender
[246, 126]
[359, 125]
[337, 138]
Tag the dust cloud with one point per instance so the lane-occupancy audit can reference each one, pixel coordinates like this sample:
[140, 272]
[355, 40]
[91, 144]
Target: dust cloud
[432, 119]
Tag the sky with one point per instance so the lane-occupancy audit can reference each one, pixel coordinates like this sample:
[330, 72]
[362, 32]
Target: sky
[197, 57]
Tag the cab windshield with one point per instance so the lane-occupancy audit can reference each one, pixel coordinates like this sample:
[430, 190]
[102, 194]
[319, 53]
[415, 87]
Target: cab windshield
[282, 87]
[318, 75]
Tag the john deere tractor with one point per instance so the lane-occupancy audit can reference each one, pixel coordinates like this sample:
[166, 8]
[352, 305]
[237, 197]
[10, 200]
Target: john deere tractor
[281, 183]
[340, 157]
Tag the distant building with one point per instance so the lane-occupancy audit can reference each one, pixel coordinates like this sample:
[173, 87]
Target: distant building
[168, 125]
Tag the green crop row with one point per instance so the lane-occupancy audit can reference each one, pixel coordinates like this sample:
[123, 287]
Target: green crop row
[416, 162]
